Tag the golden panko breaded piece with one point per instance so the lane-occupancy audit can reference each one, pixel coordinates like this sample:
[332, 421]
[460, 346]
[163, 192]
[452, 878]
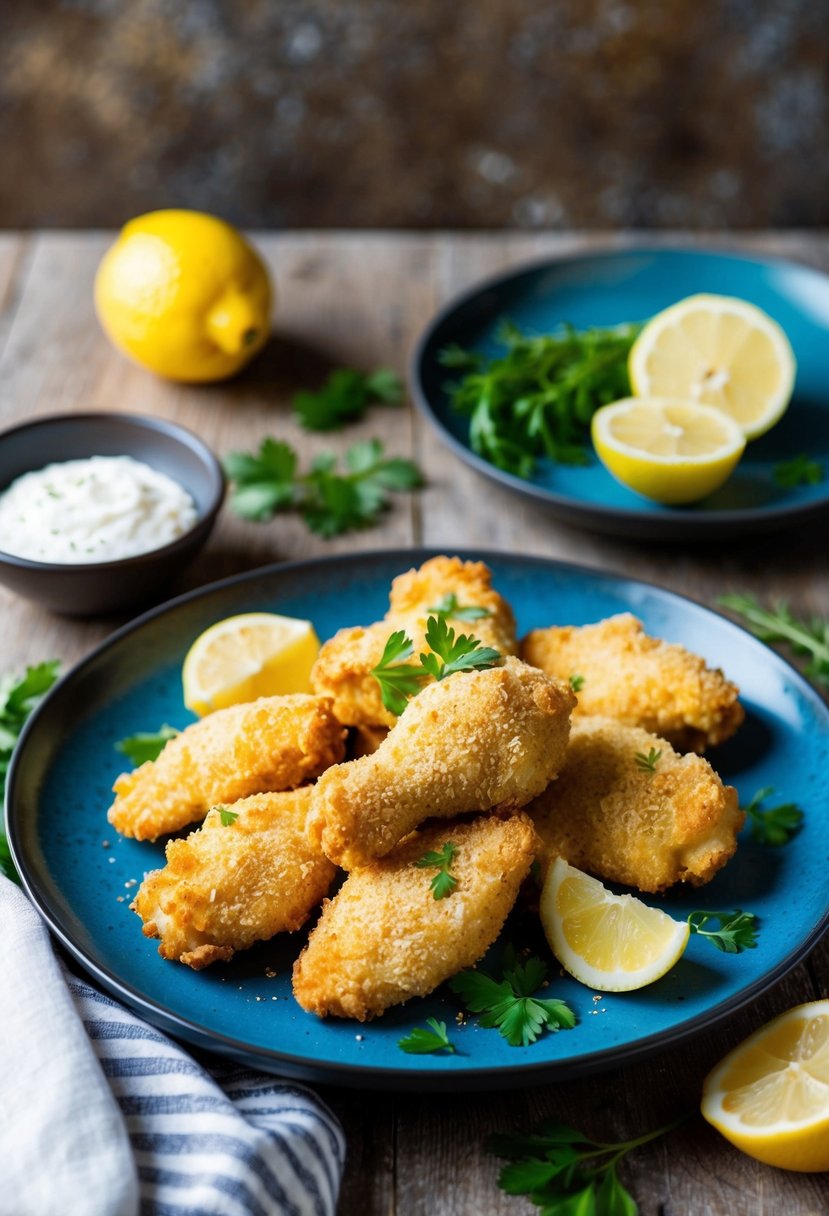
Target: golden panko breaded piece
[274, 743]
[384, 938]
[639, 680]
[344, 664]
[478, 739]
[611, 816]
[229, 885]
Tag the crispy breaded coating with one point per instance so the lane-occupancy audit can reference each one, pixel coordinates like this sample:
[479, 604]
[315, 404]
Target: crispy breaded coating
[384, 938]
[275, 743]
[344, 664]
[229, 885]
[614, 818]
[476, 740]
[639, 680]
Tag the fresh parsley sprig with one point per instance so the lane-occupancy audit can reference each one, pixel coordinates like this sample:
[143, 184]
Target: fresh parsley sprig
[576, 681]
[510, 1004]
[735, 931]
[799, 471]
[648, 763]
[331, 502]
[420, 1041]
[448, 606]
[566, 1173]
[451, 654]
[146, 745]
[345, 397]
[779, 624]
[776, 824]
[537, 399]
[444, 882]
[226, 816]
[19, 695]
[399, 680]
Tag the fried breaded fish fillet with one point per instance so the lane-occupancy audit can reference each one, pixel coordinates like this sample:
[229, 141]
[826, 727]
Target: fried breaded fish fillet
[639, 680]
[384, 938]
[611, 815]
[476, 740]
[230, 884]
[343, 667]
[275, 743]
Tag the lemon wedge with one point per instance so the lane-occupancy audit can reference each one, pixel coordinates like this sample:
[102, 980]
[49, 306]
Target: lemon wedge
[770, 1095]
[613, 943]
[257, 654]
[719, 351]
[670, 450]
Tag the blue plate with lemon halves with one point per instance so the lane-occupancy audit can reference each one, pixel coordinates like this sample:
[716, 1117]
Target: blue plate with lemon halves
[606, 289]
[82, 875]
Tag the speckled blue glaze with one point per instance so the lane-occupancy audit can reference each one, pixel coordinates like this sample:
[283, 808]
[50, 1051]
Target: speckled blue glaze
[59, 790]
[605, 289]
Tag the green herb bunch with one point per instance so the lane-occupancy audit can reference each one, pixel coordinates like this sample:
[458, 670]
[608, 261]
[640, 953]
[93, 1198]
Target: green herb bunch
[537, 399]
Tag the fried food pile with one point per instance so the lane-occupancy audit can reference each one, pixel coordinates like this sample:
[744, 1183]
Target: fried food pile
[481, 774]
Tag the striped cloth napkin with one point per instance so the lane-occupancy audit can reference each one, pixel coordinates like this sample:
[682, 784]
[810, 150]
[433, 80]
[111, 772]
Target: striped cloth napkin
[105, 1116]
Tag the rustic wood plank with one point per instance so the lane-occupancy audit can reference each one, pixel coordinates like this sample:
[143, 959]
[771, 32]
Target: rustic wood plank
[360, 300]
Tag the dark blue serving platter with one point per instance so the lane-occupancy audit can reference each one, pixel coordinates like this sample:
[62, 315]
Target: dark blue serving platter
[606, 289]
[82, 876]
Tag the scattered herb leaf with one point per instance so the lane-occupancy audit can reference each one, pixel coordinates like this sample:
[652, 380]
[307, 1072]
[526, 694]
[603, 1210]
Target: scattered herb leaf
[576, 682]
[799, 471]
[509, 1003]
[780, 625]
[345, 396]
[776, 824]
[421, 1041]
[19, 695]
[564, 1172]
[329, 501]
[444, 882]
[649, 762]
[226, 815]
[448, 606]
[537, 398]
[736, 931]
[146, 745]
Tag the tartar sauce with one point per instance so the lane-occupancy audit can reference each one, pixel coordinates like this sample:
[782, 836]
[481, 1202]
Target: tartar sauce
[96, 510]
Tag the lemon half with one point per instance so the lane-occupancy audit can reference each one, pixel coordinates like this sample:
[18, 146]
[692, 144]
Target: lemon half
[670, 450]
[613, 943]
[770, 1095]
[256, 654]
[719, 351]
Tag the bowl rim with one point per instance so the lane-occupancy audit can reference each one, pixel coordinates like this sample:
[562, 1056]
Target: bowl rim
[182, 435]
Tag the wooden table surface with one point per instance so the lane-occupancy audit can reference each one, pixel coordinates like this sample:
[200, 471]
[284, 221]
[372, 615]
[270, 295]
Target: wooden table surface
[360, 299]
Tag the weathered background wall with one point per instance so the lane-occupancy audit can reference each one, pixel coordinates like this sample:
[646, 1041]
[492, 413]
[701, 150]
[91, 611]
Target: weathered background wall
[417, 113]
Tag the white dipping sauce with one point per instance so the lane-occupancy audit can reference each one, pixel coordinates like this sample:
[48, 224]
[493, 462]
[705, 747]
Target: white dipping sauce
[96, 510]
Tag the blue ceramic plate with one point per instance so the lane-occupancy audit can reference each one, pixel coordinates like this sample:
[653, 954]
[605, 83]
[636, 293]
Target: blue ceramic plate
[59, 790]
[608, 288]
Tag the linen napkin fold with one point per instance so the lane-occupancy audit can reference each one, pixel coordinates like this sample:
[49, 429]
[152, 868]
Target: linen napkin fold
[105, 1116]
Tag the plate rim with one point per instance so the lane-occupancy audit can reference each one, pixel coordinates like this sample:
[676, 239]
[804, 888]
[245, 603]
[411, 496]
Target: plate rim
[669, 521]
[368, 1075]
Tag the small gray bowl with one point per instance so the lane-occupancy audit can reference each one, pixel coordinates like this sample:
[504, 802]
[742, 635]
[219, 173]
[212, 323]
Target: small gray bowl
[102, 587]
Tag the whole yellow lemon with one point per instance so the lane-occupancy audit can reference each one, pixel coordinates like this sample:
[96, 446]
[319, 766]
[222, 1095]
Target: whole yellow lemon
[185, 295]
